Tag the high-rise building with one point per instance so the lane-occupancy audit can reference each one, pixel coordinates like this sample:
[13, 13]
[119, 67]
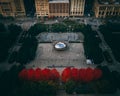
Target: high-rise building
[77, 7]
[106, 8]
[59, 8]
[13, 8]
[42, 8]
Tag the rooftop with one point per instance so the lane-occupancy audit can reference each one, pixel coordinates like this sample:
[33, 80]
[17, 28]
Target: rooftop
[58, 1]
[109, 2]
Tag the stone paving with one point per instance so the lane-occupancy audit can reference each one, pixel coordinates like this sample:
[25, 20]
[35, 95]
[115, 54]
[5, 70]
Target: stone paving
[47, 37]
[47, 56]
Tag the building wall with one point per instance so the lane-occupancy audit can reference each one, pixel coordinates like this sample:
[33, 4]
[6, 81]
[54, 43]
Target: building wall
[106, 10]
[59, 9]
[77, 7]
[6, 7]
[42, 8]
[13, 8]
[19, 8]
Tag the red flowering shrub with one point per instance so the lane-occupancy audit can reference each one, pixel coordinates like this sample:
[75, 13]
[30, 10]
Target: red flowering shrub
[89, 76]
[38, 75]
[97, 73]
[31, 74]
[75, 74]
[23, 74]
[46, 74]
[82, 73]
[66, 74]
[55, 75]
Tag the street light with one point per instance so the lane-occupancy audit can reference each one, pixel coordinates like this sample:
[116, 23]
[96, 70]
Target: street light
[72, 29]
[69, 27]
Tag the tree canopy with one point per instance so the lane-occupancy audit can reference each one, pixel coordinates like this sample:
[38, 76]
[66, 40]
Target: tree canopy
[37, 28]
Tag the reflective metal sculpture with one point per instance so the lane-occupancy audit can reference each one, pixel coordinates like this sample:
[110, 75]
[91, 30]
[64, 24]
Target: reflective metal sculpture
[60, 46]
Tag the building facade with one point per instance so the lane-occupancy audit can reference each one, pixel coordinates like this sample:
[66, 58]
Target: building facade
[59, 8]
[77, 7]
[13, 8]
[42, 8]
[106, 8]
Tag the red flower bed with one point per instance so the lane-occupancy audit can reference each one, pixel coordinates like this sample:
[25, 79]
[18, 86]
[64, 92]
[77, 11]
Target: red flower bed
[23, 74]
[66, 74]
[97, 74]
[30, 74]
[75, 74]
[89, 75]
[39, 75]
[46, 74]
[55, 75]
[81, 75]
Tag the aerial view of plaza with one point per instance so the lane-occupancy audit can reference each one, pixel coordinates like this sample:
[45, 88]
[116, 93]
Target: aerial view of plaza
[59, 48]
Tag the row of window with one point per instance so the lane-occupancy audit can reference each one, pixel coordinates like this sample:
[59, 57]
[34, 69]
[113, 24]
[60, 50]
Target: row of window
[4, 10]
[109, 8]
[109, 13]
[76, 12]
[59, 11]
[44, 14]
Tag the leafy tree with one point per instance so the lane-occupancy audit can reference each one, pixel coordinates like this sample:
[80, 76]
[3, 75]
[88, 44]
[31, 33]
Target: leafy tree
[59, 27]
[37, 28]
[111, 33]
[70, 86]
[78, 27]
[4, 42]
[91, 45]
[70, 22]
[2, 28]
[14, 30]
[27, 51]
[1, 16]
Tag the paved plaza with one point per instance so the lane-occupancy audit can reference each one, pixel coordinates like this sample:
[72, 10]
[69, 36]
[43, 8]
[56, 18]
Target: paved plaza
[47, 56]
[48, 37]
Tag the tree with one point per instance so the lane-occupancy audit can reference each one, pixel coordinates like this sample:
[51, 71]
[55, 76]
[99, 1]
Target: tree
[59, 27]
[111, 32]
[2, 28]
[70, 86]
[15, 31]
[30, 74]
[55, 75]
[46, 74]
[37, 28]
[70, 22]
[78, 27]
[91, 45]
[4, 42]
[66, 74]
[75, 74]
[38, 75]
[28, 50]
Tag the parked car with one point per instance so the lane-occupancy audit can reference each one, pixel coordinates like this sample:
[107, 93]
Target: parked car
[107, 57]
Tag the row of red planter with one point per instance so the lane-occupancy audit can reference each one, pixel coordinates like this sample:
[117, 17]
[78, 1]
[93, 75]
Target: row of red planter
[39, 75]
[82, 75]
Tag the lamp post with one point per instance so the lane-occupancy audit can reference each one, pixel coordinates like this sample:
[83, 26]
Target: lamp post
[72, 29]
[69, 27]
